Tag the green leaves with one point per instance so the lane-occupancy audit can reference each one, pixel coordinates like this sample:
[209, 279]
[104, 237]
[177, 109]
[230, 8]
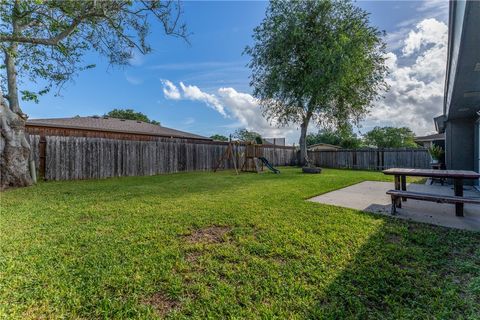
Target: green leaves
[49, 39]
[33, 96]
[130, 114]
[390, 137]
[436, 152]
[247, 136]
[344, 137]
[219, 137]
[316, 60]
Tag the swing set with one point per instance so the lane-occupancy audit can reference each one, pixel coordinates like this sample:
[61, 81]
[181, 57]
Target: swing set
[251, 156]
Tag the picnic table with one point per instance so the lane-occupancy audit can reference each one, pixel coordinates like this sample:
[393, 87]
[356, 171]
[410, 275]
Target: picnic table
[457, 175]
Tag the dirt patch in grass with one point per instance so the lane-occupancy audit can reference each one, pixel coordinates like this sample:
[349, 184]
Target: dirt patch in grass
[214, 234]
[192, 257]
[161, 303]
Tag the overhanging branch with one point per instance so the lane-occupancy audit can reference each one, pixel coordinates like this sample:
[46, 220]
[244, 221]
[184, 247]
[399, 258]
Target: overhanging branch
[44, 41]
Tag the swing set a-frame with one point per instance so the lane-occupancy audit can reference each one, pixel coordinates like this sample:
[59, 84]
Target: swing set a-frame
[228, 155]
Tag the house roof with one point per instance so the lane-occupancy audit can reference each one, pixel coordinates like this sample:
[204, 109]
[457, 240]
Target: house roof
[97, 123]
[432, 137]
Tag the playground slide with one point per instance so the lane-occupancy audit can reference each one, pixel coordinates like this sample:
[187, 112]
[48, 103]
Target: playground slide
[268, 165]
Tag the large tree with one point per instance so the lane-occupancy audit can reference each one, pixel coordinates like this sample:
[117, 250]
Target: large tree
[44, 42]
[130, 114]
[390, 137]
[316, 61]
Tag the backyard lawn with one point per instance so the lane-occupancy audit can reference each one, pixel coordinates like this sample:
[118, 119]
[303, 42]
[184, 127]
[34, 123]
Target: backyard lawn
[225, 246]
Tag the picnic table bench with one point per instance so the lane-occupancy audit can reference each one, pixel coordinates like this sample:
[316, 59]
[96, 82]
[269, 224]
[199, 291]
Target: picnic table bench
[401, 194]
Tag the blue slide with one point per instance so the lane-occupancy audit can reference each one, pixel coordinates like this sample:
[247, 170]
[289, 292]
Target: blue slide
[268, 165]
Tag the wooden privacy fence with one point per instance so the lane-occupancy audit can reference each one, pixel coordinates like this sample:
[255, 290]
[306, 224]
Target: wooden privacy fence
[372, 159]
[66, 158]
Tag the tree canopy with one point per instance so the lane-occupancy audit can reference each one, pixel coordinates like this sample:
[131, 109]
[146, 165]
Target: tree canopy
[219, 137]
[317, 61]
[48, 39]
[344, 138]
[390, 137]
[130, 114]
[247, 136]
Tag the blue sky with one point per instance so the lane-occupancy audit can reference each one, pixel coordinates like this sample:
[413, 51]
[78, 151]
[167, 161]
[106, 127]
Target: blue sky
[202, 87]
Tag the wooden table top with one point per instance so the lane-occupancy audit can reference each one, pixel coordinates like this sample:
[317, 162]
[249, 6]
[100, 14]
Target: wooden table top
[464, 174]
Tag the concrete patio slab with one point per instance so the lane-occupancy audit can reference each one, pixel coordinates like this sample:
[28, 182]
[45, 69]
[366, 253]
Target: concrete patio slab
[371, 196]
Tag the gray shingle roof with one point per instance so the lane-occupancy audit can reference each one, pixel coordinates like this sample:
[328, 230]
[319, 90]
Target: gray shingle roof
[113, 125]
[432, 137]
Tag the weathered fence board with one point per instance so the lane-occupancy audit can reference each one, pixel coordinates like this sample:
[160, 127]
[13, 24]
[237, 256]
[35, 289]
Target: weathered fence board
[34, 142]
[372, 159]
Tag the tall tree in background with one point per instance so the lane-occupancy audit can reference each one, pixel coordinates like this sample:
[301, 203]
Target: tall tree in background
[390, 137]
[44, 41]
[344, 137]
[219, 137]
[247, 136]
[317, 61]
[130, 114]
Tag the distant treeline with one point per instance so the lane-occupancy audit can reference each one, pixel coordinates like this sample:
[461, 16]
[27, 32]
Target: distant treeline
[378, 137]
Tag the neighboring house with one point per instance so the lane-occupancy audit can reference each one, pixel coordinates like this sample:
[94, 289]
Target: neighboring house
[437, 139]
[461, 114]
[105, 127]
[323, 147]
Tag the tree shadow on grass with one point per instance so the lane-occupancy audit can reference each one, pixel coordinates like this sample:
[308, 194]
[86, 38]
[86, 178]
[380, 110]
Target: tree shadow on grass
[407, 270]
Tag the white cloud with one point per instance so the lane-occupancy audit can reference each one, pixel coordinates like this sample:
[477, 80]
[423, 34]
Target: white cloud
[246, 110]
[424, 10]
[428, 31]
[194, 93]
[133, 80]
[170, 90]
[416, 80]
[394, 39]
[230, 103]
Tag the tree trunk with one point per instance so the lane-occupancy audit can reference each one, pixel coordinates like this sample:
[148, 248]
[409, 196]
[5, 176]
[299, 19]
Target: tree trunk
[303, 141]
[14, 150]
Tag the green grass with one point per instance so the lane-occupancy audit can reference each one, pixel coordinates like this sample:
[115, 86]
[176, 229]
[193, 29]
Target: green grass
[119, 248]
